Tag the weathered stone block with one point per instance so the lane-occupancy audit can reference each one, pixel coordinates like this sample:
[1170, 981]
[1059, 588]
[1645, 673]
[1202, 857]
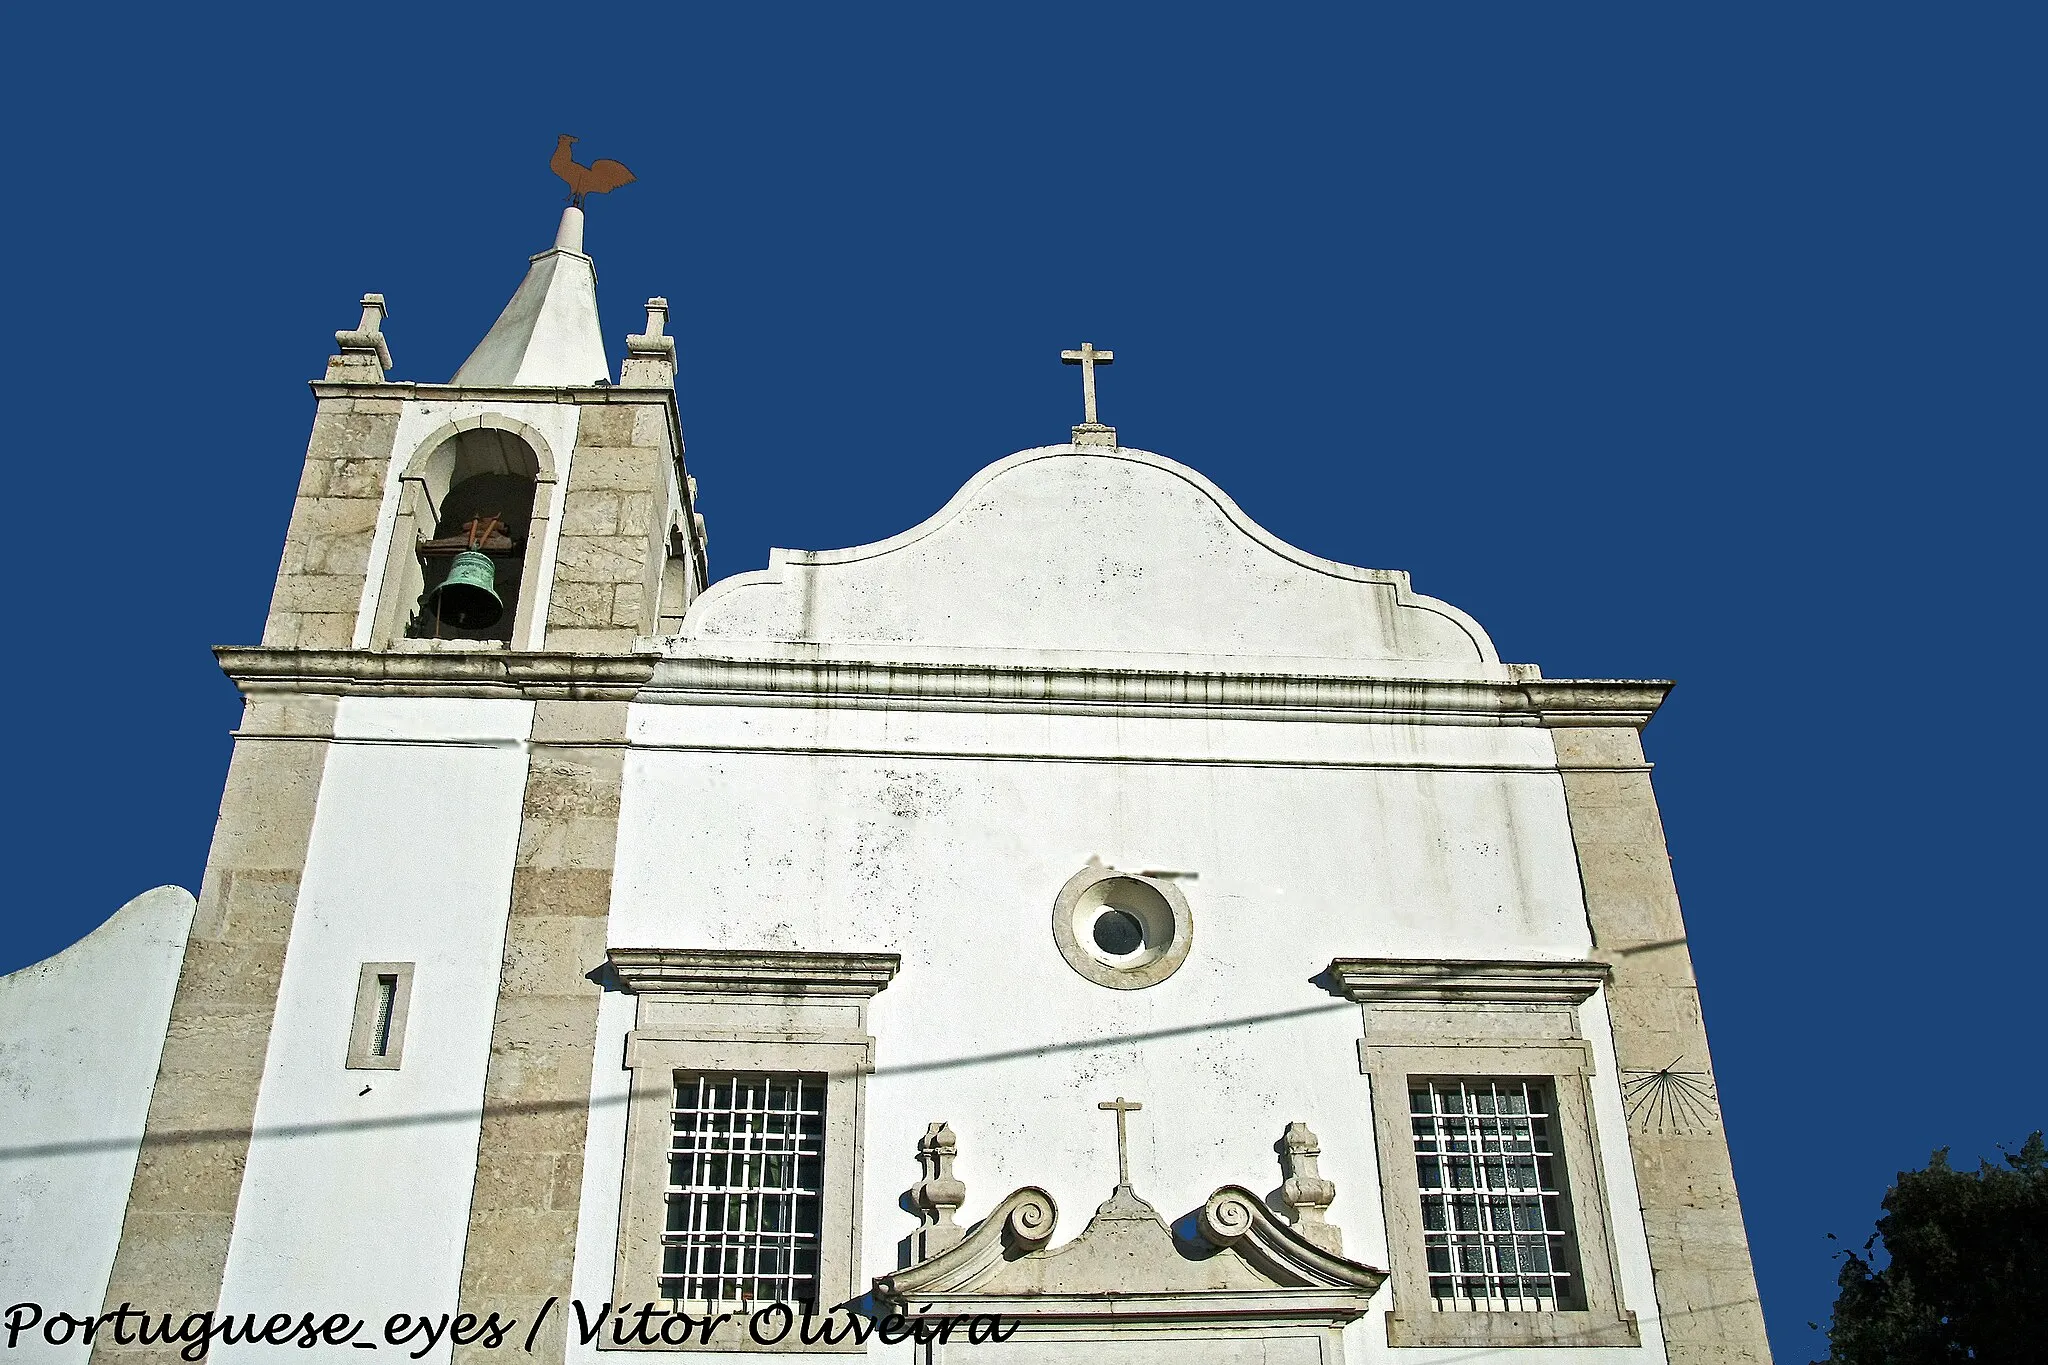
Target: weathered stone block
[629, 605]
[600, 559]
[607, 424]
[326, 630]
[514, 1178]
[591, 512]
[256, 904]
[230, 973]
[578, 604]
[333, 517]
[587, 841]
[551, 955]
[636, 514]
[564, 891]
[650, 426]
[598, 724]
[346, 555]
[629, 468]
[358, 434]
[357, 476]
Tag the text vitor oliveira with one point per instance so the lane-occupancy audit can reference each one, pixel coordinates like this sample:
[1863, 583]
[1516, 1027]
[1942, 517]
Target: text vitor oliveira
[652, 1324]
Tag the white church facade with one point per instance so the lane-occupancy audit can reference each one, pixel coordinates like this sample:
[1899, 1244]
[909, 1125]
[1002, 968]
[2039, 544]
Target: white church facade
[1082, 923]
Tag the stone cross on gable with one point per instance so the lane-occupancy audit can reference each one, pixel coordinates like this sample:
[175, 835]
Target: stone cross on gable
[1088, 358]
[1123, 1149]
[1090, 432]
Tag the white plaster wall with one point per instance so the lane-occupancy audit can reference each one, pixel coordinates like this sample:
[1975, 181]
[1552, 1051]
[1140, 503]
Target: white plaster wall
[80, 1037]
[945, 835]
[359, 1202]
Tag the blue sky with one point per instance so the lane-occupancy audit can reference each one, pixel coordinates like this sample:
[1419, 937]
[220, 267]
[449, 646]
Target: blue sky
[1690, 342]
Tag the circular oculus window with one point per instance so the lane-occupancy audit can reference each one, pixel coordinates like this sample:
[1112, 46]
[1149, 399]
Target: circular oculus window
[1121, 930]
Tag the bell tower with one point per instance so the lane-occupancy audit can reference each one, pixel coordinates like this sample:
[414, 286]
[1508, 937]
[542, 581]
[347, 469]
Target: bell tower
[421, 809]
[530, 504]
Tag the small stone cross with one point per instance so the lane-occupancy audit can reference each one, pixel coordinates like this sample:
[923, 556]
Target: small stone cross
[1123, 1149]
[1088, 358]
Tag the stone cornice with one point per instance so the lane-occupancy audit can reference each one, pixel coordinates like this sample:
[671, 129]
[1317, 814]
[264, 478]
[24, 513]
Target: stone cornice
[1467, 982]
[469, 673]
[751, 971]
[473, 393]
[963, 687]
[1153, 692]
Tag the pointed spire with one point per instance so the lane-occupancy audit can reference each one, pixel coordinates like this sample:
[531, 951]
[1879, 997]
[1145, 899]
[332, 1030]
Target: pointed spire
[549, 335]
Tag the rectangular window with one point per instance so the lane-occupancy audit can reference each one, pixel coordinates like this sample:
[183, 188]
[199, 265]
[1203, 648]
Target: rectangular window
[1496, 1233]
[746, 1179]
[376, 1038]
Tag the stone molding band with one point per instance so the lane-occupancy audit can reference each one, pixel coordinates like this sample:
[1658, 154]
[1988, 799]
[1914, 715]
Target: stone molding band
[1468, 982]
[803, 683]
[752, 972]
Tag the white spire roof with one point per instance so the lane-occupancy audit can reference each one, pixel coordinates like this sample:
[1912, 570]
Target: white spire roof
[549, 335]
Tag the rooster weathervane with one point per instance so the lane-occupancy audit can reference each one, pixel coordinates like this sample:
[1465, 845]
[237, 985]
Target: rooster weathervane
[599, 177]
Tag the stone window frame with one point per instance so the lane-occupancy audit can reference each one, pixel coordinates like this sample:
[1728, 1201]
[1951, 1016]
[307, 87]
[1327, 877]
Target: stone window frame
[720, 1010]
[1473, 1020]
[362, 1041]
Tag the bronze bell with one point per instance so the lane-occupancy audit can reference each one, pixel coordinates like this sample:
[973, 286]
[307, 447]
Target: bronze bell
[468, 597]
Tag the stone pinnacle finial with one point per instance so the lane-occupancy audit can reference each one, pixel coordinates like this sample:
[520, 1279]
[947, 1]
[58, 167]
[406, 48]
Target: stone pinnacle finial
[650, 355]
[1091, 432]
[569, 232]
[1305, 1191]
[365, 355]
[938, 1194]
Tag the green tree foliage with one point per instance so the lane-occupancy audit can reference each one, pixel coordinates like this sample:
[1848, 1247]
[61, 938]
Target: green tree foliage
[1967, 1275]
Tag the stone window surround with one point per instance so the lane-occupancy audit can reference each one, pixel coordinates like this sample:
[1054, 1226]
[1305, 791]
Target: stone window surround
[1485, 1020]
[740, 1010]
[362, 1050]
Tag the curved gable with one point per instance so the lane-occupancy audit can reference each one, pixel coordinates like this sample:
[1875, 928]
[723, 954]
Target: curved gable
[1109, 554]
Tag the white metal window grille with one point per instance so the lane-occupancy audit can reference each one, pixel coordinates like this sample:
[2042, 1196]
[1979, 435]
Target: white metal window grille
[1495, 1230]
[745, 1184]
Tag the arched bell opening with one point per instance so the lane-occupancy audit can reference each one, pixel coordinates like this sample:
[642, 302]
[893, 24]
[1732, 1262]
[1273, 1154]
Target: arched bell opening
[464, 545]
[470, 568]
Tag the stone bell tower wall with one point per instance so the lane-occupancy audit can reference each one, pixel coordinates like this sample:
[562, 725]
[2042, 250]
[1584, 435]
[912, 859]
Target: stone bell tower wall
[327, 551]
[626, 507]
[614, 544]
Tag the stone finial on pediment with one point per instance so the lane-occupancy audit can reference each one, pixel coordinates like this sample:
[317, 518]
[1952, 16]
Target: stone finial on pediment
[938, 1194]
[1305, 1192]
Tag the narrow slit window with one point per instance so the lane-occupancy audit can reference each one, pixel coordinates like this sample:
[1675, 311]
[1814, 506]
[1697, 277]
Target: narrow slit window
[387, 996]
[376, 1038]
